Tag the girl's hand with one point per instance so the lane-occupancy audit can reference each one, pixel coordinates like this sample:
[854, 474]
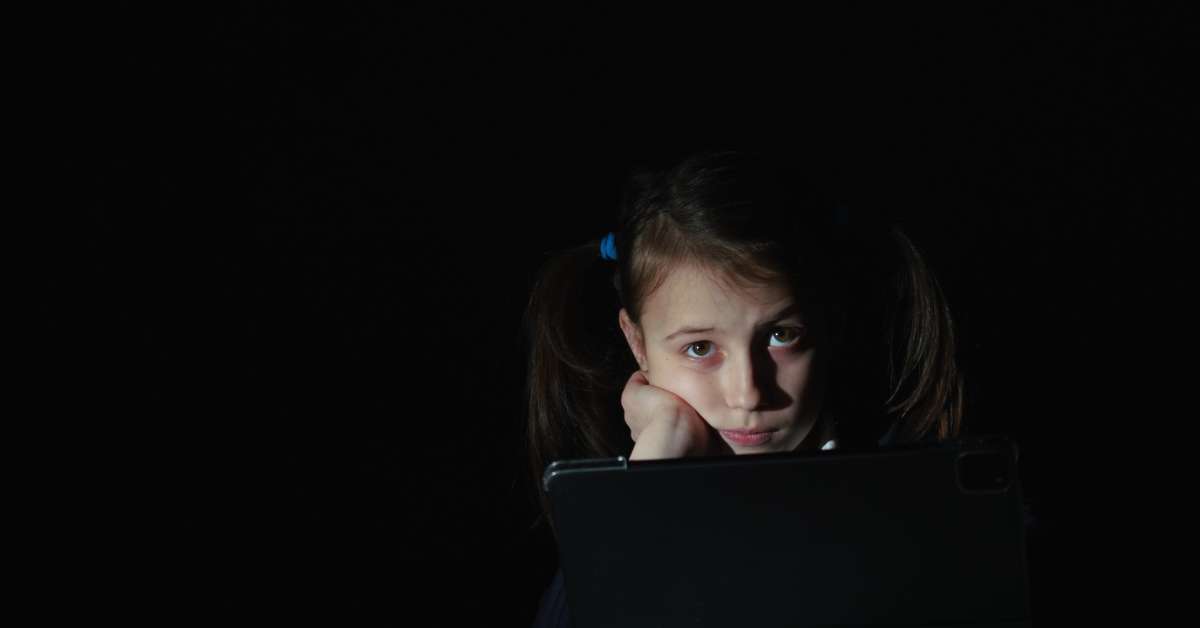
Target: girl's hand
[663, 425]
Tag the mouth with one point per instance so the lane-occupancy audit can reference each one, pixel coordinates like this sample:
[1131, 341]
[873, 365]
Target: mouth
[749, 438]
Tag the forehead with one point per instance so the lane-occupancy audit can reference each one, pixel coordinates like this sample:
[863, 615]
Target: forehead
[690, 294]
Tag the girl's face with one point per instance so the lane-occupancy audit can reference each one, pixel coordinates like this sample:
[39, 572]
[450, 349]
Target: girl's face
[746, 360]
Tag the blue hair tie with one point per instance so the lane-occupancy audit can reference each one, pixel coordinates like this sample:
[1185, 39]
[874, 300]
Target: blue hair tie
[608, 247]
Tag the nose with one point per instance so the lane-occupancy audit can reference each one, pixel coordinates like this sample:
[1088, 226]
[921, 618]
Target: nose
[741, 387]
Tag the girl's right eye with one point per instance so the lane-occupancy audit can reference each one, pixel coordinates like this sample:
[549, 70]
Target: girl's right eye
[687, 349]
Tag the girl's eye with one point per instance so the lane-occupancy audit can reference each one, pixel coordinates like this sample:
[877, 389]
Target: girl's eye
[790, 336]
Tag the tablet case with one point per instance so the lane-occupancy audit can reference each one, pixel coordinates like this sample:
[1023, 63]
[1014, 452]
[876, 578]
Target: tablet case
[918, 535]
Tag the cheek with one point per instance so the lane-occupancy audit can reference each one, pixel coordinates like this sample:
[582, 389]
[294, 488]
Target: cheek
[697, 389]
[799, 375]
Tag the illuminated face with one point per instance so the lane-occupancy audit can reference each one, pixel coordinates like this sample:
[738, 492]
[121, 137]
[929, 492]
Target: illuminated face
[750, 359]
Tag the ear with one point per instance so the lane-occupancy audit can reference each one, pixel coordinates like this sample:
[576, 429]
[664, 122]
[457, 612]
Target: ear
[633, 336]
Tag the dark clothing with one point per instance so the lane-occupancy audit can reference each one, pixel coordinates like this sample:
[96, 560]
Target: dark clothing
[552, 612]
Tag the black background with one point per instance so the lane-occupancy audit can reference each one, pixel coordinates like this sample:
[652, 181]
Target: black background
[307, 236]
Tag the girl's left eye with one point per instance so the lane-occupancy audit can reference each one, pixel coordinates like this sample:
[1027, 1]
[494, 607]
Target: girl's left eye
[794, 333]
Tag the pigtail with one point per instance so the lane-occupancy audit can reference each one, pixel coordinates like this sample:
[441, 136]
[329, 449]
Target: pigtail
[926, 383]
[895, 375]
[574, 364]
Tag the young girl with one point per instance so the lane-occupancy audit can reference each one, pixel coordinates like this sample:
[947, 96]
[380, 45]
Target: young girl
[734, 311]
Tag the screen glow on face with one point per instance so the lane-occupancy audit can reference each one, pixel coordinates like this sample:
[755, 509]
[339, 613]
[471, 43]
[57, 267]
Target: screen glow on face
[744, 359]
[784, 329]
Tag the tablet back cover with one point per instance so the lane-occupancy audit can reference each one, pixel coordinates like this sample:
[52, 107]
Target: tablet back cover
[928, 535]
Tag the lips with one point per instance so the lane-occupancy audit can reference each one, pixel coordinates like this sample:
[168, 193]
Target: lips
[750, 437]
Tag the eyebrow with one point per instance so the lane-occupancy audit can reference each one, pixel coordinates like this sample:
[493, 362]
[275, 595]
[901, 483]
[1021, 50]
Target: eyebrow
[793, 308]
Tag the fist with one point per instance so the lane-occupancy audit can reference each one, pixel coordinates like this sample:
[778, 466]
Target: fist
[663, 425]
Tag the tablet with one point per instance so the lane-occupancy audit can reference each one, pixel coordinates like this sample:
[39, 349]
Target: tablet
[914, 535]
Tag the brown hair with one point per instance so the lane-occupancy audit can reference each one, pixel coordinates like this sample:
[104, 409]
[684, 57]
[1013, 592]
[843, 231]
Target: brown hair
[745, 217]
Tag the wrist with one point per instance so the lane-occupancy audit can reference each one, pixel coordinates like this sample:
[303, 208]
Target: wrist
[666, 437]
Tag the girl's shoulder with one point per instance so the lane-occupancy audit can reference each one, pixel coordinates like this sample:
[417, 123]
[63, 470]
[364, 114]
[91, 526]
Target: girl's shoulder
[552, 610]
